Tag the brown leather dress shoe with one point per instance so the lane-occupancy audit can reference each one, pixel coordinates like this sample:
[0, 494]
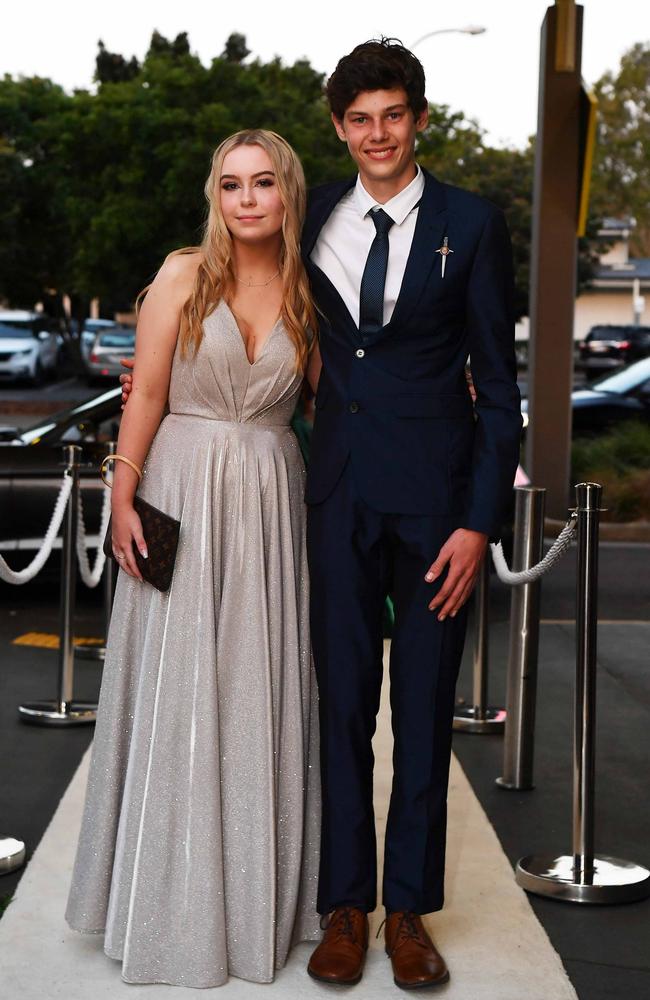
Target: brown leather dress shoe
[416, 962]
[339, 957]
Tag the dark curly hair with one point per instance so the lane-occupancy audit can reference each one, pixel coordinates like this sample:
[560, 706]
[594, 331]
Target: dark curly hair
[379, 64]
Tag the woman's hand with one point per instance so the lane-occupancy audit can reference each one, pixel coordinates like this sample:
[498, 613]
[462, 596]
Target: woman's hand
[126, 529]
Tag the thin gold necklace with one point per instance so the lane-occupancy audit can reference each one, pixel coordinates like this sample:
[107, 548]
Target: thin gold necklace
[257, 284]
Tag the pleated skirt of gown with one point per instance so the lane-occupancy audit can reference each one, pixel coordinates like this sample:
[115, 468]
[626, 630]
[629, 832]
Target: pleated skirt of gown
[198, 851]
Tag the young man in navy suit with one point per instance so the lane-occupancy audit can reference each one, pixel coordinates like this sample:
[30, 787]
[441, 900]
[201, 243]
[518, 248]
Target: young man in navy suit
[406, 483]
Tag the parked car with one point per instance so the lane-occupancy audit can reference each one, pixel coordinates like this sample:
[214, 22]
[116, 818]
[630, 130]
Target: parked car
[612, 399]
[31, 469]
[607, 347]
[109, 347]
[90, 330]
[28, 346]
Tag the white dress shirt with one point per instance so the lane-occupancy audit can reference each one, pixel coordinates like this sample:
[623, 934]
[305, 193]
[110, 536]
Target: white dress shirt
[343, 243]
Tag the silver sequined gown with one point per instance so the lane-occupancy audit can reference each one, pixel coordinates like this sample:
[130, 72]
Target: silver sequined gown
[198, 851]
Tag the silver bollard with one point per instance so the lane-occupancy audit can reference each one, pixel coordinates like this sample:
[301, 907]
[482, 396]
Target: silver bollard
[584, 877]
[479, 717]
[12, 854]
[64, 711]
[109, 577]
[519, 740]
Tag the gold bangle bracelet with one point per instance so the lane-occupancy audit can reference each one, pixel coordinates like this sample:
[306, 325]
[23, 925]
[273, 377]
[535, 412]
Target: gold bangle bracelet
[118, 458]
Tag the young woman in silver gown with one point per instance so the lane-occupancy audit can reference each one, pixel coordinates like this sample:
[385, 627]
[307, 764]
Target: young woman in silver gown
[198, 852]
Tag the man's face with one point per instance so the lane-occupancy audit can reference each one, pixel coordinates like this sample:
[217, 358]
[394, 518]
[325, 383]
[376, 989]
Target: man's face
[380, 130]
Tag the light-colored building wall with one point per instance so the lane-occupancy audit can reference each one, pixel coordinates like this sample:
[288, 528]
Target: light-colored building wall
[601, 307]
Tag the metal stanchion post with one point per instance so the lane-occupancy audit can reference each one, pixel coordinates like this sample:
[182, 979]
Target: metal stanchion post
[519, 740]
[584, 877]
[64, 711]
[109, 577]
[479, 718]
[12, 854]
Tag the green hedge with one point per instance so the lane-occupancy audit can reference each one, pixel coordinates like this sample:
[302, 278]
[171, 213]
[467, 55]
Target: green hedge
[620, 462]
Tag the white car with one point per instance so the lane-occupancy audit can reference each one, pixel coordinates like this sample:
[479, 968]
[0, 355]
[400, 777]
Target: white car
[28, 347]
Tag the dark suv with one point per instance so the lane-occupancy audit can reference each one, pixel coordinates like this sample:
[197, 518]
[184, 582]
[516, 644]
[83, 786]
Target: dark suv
[607, 347]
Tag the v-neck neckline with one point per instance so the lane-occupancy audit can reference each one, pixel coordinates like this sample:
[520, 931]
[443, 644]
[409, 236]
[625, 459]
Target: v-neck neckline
[240, 336]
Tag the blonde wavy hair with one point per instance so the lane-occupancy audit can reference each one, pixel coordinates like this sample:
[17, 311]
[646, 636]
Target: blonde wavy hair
[215, 277]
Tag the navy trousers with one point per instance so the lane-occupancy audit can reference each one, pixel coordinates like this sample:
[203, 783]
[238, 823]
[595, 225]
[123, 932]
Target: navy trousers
[357, 556]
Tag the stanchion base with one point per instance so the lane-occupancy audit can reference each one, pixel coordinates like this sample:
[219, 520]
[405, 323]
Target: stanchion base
[512, 786]
[90, 652]
[12, 854]
[47, 713]
[468, 720]
[612, 880]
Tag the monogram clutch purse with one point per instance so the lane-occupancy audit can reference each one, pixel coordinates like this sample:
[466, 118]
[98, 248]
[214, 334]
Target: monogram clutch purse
[161, 537]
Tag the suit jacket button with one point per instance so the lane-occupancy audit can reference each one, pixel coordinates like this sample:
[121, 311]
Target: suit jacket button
[354, 407]
[361, 353]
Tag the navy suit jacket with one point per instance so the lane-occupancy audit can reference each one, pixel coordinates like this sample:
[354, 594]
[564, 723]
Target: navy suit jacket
[397, 404]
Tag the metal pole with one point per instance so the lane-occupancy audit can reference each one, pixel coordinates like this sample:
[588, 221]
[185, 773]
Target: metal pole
[584, 748]
[479, 717]
[583, 877]
[68, 583]
[519, 741]
[109, 577]
[64, 711]
[12, 854]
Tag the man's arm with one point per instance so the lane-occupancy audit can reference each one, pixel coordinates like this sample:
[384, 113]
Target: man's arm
[490, 327]
[491, 342]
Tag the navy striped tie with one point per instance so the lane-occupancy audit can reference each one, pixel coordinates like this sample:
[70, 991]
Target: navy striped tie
[371, 299]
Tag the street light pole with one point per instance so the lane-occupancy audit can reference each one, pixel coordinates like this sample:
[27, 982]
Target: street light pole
[470, 29]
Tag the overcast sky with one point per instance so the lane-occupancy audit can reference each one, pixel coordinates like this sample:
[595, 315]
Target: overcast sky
[492, 77]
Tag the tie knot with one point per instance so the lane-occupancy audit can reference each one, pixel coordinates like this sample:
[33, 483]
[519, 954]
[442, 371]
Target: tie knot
[382, 221]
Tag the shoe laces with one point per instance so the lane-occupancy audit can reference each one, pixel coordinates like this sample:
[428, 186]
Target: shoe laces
[408, 929]
[341, 923]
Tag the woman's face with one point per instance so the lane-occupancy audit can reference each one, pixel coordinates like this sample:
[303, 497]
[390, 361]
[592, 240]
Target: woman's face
[250, 199]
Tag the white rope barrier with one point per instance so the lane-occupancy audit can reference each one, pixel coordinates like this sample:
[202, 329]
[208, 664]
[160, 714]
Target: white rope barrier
[557, 550]
[29, 572]
[91, 577]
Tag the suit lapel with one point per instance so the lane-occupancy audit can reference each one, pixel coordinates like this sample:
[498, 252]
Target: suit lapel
[430, 228]
[318, 212]
[319, 209]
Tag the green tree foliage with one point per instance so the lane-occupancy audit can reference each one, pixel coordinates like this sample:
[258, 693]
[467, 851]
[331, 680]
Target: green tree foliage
[110, 67]
[95, 188]
[621, 181]
[235, 49]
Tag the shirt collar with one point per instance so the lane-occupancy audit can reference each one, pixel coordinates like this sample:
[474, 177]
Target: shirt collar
[397, 207]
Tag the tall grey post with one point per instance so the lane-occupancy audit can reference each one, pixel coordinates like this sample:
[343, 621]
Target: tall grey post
[64, 711]
[480, 717]
[554, 253]
[583, 876]
[519, 741]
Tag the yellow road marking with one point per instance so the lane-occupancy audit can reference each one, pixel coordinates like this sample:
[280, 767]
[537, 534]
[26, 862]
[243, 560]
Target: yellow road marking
[47, 640]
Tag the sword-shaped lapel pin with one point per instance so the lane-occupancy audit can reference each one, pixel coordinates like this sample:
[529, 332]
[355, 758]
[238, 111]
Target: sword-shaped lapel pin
[444, 252]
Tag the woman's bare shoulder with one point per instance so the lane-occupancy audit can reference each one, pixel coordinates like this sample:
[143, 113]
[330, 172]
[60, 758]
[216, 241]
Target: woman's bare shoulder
[180, 266]
[174, 281]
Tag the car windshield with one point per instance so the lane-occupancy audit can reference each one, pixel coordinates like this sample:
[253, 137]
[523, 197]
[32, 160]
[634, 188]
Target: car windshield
[121, 340]
[16, 331]
[626, 380]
